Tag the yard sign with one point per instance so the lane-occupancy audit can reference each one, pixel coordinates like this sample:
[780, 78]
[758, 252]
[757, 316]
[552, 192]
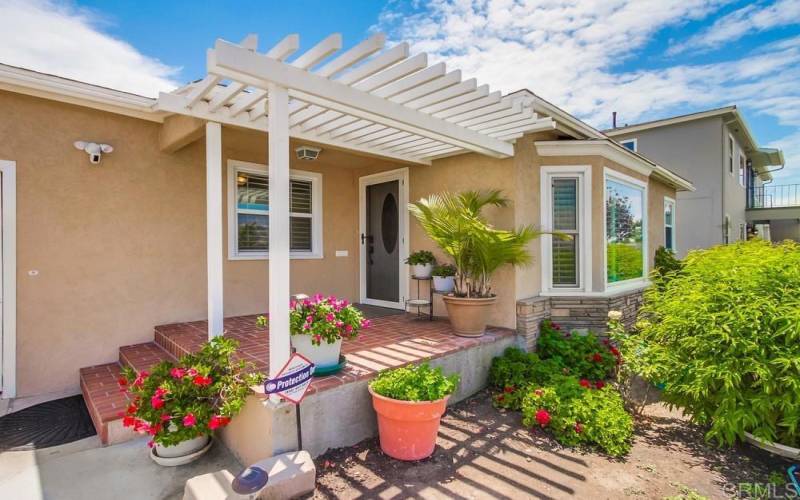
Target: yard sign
[292, 380]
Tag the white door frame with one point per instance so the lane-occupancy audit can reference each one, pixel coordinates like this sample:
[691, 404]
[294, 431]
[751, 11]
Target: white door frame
[8, 357]
[400, 175]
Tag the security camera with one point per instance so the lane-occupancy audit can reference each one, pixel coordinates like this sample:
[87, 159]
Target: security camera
[94, 150]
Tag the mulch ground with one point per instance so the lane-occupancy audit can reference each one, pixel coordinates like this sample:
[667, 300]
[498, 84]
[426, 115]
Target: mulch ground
[485, 453]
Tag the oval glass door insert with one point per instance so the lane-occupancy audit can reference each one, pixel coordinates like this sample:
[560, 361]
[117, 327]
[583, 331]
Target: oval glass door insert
[389, 223]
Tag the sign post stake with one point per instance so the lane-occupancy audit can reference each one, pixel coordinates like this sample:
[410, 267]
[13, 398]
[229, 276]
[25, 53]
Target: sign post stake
[291, 383]
[299, 428]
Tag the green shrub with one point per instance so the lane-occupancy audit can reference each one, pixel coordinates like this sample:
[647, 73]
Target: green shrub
[584, 356]
[577, 414]
[414, 383]
[421, 257]
[444, 270]
[724, 336]
[512, 372]
[665, 266]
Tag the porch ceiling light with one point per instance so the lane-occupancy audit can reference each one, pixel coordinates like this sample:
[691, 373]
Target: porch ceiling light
[307, 152]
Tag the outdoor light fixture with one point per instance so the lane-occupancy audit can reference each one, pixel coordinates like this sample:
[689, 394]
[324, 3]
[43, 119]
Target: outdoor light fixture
[94, 150]
[307, 152]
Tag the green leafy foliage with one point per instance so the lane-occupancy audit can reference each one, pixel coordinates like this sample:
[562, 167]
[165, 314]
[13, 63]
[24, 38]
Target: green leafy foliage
[577, 414]
[421, 257]
[414, 383]
[444, 270]
[584, 356]
[724, 336]
[514, 371]
[323, 318]
[202, 392]
[455, 222]
[665, 266]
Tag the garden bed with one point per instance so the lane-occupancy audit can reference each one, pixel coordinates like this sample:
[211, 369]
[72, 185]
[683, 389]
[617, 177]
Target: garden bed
[485, 453]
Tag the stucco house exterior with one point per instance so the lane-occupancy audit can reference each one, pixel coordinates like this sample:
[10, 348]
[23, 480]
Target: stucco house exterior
[174, 225]
[716, 151]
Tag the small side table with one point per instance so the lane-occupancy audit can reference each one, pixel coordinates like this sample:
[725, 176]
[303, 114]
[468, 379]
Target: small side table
[420, 302]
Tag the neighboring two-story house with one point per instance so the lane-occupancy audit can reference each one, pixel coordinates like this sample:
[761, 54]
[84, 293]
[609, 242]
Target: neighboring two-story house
[716, 151]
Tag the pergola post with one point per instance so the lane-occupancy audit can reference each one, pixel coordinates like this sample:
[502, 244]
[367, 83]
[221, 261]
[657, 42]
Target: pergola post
[214, 227]
[278, 115]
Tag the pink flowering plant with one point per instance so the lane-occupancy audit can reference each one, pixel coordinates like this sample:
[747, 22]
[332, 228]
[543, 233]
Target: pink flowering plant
[175, 402]
[325, 319]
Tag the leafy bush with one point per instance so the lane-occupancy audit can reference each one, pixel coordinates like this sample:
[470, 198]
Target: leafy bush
[578, 413]
[323, 318]
[177, 402]
[665, 266]
[414, 383]
[584, 356]
[514, 371]
[724, 336]
[421, 257]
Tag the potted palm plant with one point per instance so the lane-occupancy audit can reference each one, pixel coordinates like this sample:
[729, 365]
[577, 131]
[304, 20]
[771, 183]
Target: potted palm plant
[421, 263]
[410, 402]
[444, 278]
[454, 222]
[180, 405]
[318, 325]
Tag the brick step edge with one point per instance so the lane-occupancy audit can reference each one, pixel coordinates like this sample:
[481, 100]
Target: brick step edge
[143, 356]
[105, 402]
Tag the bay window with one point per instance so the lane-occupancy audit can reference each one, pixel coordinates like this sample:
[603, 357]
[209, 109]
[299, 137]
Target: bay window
[626, 232]
[248, 213]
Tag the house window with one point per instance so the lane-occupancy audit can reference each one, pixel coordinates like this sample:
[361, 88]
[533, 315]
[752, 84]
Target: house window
[630, 144]
[742, 168]
[625, 228]
[731, 149]
[669, 224]
[565, 260]
[248, 223]
[566, 210]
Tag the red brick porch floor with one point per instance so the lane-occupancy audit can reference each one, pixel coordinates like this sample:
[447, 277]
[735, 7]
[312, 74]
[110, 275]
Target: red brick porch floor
[389, 342]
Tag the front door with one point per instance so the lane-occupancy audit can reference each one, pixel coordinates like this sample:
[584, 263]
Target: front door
[382, 239]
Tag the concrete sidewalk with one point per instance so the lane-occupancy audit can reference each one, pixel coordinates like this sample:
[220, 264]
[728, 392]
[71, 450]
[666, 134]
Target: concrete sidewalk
[84, 470]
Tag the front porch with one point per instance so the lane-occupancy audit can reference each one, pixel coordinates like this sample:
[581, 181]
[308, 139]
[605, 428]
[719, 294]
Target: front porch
[393, 339]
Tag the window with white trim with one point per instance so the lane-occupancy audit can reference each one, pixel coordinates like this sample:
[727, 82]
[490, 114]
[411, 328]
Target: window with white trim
[565, 250]
[731, 150]
[669, 224]
[742, 168]
[626, 232]
[630, 144]
[248, 200]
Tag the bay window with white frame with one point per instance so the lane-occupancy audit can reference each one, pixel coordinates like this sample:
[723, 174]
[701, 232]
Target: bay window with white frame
[625, 228]
[566, 211]
[248, 212]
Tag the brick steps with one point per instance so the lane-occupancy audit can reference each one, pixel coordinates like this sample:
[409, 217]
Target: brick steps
[100, 389]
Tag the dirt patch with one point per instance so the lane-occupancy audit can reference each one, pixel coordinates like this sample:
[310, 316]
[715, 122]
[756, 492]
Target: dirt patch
[484, 453]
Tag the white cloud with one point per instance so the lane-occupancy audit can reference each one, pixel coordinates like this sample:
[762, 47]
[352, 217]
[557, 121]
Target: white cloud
[741, 22]
[60, 39]
[568, 51]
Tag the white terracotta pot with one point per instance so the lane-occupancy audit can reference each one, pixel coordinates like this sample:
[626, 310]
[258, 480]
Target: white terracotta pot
[444, 284]
[182, 453]
[775, 448]
[323, 356]
[422, 270]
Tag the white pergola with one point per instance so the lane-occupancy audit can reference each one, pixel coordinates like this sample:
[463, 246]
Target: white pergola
[366, 99]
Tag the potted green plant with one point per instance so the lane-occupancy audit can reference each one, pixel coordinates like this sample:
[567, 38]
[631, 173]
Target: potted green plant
[455, 222]
[444, 278]
[421, 263]
[319, 324]
[180, 405]
[410, 402]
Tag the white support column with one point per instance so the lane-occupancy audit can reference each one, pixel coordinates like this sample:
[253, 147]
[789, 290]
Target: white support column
[278, 114]
[214, 227]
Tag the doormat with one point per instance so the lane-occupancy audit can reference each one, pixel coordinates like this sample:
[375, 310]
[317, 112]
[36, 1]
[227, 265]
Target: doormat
[47, 424]
[372, 312]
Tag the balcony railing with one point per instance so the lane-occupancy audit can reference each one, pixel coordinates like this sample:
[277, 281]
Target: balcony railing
[769, 196]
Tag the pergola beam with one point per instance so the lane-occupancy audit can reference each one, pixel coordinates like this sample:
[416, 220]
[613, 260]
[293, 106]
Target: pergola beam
[232, 61]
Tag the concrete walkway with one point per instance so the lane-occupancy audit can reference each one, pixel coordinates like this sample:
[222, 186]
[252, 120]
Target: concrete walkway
[84, 470]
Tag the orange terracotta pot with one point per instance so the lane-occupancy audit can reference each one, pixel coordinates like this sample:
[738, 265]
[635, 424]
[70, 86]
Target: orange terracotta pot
[408, 429]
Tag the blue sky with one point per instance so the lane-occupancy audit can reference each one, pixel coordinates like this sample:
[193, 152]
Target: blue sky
[644, 59]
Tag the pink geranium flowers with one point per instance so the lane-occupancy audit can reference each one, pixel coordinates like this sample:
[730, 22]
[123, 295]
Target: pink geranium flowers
[324, 319]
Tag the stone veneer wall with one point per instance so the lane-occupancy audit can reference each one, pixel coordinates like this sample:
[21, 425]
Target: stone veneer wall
[574, 313]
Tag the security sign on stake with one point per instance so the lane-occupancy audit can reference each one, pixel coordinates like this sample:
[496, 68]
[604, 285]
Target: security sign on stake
[293, 379]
